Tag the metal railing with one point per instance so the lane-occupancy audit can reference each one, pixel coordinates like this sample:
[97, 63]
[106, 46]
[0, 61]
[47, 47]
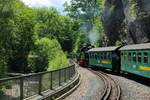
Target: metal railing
[19, 88]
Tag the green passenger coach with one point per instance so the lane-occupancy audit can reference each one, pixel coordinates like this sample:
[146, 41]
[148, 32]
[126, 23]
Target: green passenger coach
[136, 59]
[105, 57]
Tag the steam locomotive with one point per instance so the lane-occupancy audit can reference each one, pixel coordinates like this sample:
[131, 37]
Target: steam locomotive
[83, 59]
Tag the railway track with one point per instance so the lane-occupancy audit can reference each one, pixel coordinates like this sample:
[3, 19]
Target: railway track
[112, 90]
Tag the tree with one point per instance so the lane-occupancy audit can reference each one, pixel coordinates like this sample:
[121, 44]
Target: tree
[55, 26]
[24, 20]
[7, 33]
[88, 11]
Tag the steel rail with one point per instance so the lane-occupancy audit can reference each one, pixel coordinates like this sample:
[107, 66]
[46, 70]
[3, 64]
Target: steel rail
[108, 86]
[118, 88]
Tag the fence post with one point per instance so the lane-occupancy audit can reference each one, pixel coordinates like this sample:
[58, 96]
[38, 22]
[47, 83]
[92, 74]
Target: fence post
[40, 84]
[51, 81]
[60, 77]
[21, 88]
[69, 73]
[65, 74]
[74, 70]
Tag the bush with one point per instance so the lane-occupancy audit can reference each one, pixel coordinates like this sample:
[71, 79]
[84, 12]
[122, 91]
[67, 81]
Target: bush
[48, 56]
[60, 61]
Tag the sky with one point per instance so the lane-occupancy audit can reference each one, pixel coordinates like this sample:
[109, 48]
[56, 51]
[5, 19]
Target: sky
[58, 4]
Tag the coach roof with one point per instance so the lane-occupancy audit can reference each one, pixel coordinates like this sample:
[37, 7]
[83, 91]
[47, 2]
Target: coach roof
[104, 49]
[136, 46]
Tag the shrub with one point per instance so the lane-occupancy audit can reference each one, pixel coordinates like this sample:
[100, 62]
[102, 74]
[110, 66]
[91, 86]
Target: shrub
[49, 56]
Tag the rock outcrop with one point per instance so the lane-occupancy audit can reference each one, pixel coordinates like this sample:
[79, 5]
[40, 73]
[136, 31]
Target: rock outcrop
[127, 21]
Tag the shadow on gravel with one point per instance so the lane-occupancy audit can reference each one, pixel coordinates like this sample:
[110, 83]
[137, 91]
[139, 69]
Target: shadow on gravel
[139, 79]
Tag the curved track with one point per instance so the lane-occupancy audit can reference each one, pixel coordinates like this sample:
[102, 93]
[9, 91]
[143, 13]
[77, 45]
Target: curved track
[112, 90]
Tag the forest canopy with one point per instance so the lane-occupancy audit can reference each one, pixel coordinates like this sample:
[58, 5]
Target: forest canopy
[34, 39]
[40, 39]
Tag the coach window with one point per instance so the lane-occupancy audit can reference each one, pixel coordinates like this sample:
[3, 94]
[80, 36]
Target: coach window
[134, 57]
[145, 57]
[101, 55]
[129, 56]
[91, 55]
[122, 54]
[139, 58]
[105, 55]
[108, 55]
[125, 56]
[95, 55]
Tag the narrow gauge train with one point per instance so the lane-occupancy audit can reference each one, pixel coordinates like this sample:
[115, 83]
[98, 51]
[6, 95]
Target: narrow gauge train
[130, 58]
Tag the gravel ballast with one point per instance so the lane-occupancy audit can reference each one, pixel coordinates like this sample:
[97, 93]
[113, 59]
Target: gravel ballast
[90, 88]
[132, 90]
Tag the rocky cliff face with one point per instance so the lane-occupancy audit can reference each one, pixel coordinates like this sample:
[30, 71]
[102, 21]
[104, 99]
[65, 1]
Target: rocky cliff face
[127, 21]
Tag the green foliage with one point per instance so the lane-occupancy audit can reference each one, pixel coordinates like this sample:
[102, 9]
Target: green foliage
[23, 43]
[53, 25]
[48, 56]
[88, 13]
[3, 66]
[112, 7]
[34, 39]
[101, 3]
[134, 9]
[7, 33]
[59, 61]
[118, 43]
